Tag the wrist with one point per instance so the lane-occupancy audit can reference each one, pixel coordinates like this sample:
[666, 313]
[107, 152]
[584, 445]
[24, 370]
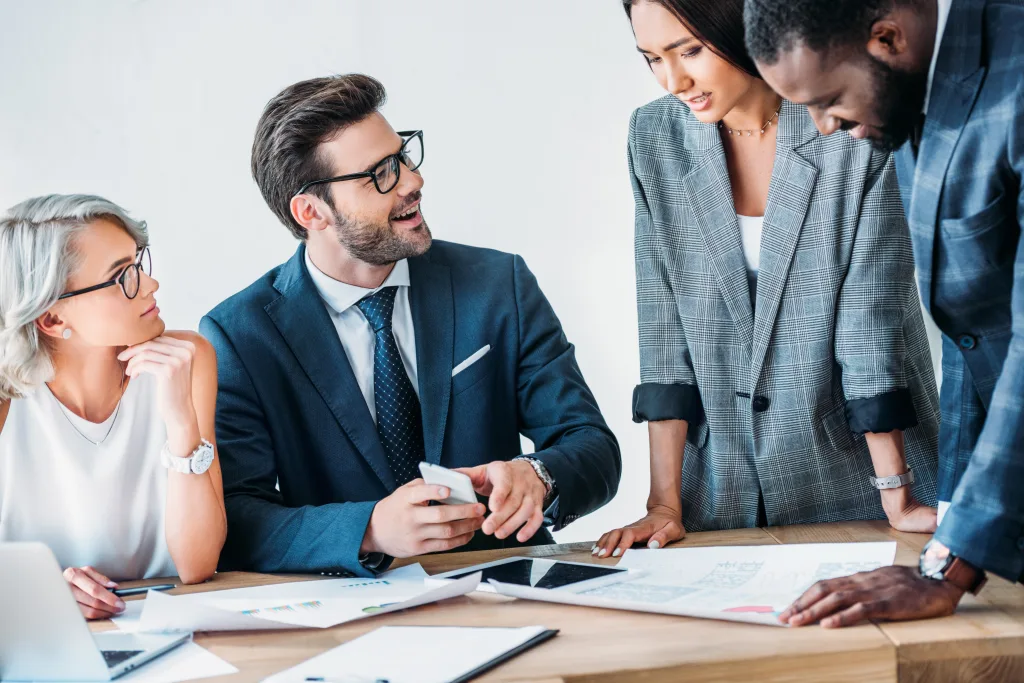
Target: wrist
[665, 508]
[183, 436]
[896, 501]
[369, 544]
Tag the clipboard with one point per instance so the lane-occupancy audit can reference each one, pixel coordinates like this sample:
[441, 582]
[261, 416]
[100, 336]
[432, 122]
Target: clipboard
[501, 659]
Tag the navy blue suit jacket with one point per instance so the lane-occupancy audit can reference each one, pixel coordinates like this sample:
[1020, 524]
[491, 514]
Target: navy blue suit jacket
[965, 206]
[302, 461]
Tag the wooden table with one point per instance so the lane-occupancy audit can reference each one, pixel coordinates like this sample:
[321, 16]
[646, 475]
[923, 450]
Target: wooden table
[983, 641]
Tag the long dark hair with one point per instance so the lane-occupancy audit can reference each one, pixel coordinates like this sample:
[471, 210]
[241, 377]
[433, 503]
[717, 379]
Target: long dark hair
[716, 23]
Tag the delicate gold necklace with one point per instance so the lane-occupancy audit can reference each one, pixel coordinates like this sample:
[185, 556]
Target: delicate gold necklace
[750, 133]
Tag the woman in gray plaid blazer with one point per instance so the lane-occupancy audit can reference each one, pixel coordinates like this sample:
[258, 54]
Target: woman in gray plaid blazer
[774, 390]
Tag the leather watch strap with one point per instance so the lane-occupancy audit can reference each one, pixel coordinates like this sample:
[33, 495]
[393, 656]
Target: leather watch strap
[965, 576]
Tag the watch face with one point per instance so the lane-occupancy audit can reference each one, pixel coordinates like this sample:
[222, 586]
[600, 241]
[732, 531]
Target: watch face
[202, 460]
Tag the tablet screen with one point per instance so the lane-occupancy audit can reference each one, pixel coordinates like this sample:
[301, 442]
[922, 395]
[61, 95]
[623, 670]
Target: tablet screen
[541, 573]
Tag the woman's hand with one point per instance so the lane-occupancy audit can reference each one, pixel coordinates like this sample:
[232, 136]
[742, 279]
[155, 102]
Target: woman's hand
[659, 527]
[906, 514]
[92, 592]
[170, 360]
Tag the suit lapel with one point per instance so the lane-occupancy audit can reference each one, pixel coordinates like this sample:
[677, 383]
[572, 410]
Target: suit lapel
[302, 319]
[710, 195]
[955, 86]
[433, 317]
[789, 196]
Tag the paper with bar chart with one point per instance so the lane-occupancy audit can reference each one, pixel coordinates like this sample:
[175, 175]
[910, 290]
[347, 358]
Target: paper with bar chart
[303, 604]
[738, 583]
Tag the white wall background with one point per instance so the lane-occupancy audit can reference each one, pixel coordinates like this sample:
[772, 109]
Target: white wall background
[524, 103]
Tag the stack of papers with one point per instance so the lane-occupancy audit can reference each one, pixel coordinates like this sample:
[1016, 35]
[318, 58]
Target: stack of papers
[305, 604]
[741, 583]
[415, 654]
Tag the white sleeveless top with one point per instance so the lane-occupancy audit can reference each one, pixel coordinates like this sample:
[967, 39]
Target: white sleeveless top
[100, 505]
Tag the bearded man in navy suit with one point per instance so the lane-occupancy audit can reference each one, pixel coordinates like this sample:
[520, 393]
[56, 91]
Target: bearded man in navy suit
[375, 348]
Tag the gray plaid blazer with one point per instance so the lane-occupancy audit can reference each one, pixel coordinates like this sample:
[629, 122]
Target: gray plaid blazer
[964, 194]
[778, 391]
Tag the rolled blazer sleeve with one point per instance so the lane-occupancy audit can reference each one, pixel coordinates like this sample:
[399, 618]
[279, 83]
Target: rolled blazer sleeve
[985, 522]
[668, 385]
[877, 296]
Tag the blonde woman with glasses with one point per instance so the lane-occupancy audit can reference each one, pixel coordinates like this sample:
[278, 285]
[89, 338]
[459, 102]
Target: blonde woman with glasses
[106, 419]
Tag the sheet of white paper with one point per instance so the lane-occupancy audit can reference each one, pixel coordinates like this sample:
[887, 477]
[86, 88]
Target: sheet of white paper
[129, 619]
[747, 583]
[308, 604]
[410, 572]
[184, 663]
[430, 654]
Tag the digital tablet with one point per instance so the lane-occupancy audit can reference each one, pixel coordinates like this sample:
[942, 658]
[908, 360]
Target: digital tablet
[541, 573]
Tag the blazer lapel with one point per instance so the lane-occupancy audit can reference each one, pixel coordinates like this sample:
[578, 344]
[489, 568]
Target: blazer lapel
[959, 74]
[433, 318]
[789, 196]
[710, 195]
[302, 319]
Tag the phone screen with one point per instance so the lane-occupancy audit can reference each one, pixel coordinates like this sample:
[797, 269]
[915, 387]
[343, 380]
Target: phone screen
[542, 573]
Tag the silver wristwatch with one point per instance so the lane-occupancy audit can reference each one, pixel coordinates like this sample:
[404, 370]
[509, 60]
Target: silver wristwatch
[893, 482]
[544, 476]
[197, 463]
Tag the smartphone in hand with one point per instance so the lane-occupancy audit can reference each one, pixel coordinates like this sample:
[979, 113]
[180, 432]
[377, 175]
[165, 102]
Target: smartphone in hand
[458, 484]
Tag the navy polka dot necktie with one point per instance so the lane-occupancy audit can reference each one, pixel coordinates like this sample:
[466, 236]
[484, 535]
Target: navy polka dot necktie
[399, 421]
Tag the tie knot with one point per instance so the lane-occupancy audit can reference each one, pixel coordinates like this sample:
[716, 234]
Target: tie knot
[378, 308]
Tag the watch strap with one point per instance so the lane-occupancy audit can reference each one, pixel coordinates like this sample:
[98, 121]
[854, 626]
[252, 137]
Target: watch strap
[965, 576]
[545, 477]
[893, 482]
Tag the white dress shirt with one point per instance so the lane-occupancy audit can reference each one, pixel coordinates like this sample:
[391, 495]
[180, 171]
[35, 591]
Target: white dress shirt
[357, 337]
[940, 28]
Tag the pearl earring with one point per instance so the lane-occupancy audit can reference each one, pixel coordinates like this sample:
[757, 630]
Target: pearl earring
[67, 333]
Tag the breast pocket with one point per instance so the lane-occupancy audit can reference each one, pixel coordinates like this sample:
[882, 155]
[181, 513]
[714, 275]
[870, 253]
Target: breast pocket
[474, 374]
[979, 239]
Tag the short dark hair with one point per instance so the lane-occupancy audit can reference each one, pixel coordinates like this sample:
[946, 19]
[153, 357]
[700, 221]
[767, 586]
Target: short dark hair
[776, 26]
[716, 23]
[294, 123]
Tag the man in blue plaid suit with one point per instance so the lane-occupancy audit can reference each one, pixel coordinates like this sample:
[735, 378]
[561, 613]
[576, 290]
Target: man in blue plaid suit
[942, 81]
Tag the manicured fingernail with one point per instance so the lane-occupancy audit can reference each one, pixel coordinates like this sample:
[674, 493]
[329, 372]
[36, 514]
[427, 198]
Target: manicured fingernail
[120, 603]
[593, 551]
[653, 545]
[618, 551]
[442, 491]
[603, 552]
[111, 584]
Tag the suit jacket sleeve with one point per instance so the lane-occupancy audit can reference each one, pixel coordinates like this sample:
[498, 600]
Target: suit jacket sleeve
[264, 534]
[985, 522]
[557, 410]
[668, 385]
[878, 296]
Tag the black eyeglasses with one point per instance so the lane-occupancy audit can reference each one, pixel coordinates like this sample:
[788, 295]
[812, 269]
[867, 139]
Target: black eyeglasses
[385, 174]
[129, 278]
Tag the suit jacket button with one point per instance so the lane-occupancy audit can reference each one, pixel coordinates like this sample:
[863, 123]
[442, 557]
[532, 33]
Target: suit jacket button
[967, 342]
[760, 404]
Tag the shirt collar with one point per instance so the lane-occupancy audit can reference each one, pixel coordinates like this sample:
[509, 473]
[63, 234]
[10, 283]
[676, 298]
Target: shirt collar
[940, 27]
[341, 296]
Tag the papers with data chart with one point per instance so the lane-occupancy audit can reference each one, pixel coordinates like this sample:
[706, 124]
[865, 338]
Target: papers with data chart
[304, 604]
[740, 583]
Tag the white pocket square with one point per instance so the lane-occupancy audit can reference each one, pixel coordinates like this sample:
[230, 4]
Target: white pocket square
[472, 359]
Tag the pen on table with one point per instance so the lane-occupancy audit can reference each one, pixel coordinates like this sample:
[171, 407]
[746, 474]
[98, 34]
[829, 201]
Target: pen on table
[126, 592]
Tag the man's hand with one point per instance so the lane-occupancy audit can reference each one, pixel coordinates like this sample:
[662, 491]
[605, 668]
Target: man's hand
[516, 498]
[405, 524]
[889, 593]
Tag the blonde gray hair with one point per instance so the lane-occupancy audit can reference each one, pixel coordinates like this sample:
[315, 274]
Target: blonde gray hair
[37, 257]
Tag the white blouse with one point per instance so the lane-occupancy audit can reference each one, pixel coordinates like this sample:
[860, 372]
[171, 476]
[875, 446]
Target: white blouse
[94, 493]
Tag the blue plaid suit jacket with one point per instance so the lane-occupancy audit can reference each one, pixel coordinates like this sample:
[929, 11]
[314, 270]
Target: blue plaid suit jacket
[965, 208]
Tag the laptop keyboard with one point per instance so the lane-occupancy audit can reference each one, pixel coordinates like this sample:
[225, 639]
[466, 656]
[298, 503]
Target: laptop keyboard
[115, 657]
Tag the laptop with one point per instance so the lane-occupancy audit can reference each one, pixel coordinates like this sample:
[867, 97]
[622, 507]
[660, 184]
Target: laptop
[43, 635]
